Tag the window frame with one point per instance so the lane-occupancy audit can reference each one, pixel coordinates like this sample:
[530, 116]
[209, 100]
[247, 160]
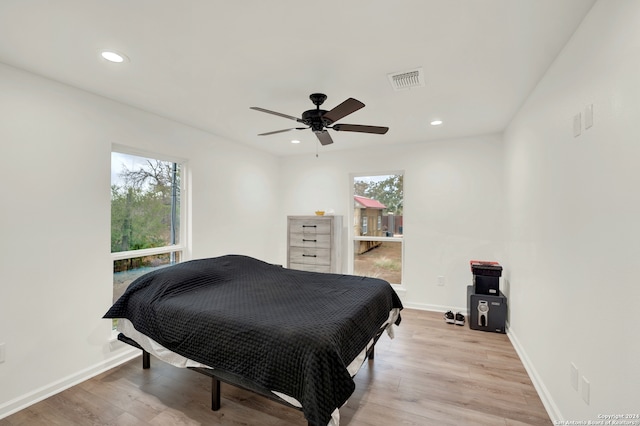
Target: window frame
[352, 238]
[182, 247]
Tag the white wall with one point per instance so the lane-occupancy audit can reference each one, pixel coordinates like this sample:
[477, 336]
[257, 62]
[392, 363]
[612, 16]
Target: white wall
[55, 144]
[569, 206]
[573, 206]
[453, 209]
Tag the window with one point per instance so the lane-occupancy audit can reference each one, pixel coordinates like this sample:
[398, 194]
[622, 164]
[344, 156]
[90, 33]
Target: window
[147, 218]
[378, 202]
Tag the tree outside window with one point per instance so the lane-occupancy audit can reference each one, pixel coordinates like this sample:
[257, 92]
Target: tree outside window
[145, 216]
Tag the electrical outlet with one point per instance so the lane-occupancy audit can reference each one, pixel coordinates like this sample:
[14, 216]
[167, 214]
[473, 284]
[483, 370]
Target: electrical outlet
[2, 352]
[573, 376]
[440, 280]
[586, 391]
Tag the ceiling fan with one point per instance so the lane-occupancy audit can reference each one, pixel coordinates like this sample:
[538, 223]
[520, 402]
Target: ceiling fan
[318, 120]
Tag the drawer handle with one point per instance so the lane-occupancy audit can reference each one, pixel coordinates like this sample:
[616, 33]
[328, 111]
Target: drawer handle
[311, 241]
[309, 255]
[309, 226]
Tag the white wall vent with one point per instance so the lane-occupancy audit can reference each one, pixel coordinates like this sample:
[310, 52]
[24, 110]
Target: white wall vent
[407, 79]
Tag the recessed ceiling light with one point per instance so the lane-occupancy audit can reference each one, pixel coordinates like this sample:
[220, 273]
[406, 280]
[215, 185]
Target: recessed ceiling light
[295, 141]
[436, 122]
[113, 56]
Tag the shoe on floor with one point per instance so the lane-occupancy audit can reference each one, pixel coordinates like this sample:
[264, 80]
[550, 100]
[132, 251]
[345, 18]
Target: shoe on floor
[459, 319]
[449, 318]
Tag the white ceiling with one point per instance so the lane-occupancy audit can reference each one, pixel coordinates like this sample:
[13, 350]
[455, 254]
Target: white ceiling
[205, 62]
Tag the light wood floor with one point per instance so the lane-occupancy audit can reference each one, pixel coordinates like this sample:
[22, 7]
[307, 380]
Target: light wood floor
[432, 373]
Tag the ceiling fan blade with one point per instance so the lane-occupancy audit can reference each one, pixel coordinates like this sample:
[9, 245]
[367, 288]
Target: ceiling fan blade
[342, 110]
[290, 117]
[360, 128]
[281, 131]
[324, 137]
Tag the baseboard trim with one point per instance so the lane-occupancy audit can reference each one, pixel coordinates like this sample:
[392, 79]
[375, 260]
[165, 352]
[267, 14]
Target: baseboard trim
[58, 386]
[435, 308]
[538, 384]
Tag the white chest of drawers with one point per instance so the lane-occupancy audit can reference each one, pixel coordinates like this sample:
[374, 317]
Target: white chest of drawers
[314, 242]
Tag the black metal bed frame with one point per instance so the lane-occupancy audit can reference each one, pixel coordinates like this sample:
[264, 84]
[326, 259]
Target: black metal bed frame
[218, 376]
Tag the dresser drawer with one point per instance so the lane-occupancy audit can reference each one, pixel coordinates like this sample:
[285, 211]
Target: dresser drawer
[310, 268]
[310, 240]
[309, 256]
[309, 226]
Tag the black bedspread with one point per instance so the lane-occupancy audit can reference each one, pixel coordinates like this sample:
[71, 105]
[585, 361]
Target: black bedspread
[290, 331]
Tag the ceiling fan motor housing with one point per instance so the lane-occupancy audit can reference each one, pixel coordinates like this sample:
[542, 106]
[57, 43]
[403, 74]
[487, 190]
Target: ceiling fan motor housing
[314, 119]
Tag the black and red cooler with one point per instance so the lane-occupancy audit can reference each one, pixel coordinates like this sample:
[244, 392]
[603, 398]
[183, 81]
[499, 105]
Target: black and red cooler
[486, 277]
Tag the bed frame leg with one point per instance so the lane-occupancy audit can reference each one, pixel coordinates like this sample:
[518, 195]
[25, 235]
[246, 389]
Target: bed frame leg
[215, 394]
[146, 359]
[372, 353]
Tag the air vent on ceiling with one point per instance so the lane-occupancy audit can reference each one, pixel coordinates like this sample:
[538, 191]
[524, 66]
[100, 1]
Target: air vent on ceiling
[407, 79]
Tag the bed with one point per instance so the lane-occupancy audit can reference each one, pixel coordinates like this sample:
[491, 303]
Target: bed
[295, 336]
